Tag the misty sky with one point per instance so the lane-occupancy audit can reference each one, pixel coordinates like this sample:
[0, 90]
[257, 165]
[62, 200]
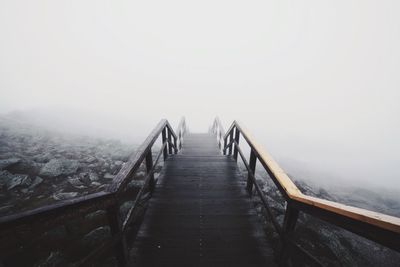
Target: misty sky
[317, 82]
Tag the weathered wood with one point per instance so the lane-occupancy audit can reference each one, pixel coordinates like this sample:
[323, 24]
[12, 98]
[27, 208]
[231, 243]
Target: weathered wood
[134, 162]
[230, 140]
[58, 212]
[164, 141]
[200, 214]
[375, 226]
[149, 167]
[170, 142]
[252, 166]
[237, 138]
[175, 146]
[115, 222]
[289, 223]
[280, 178]
[378, 227]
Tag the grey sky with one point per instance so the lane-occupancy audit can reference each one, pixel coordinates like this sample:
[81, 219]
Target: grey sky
[316, 81]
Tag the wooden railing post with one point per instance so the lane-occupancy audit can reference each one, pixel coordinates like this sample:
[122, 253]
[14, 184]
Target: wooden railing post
[175, 147]
[289, 223]
[115, 222]
[252, 166]
[180, 139]
[237, 136]
[224, 149]
[149, 166]
[164, 139]
[169, 141]
[230, 140]
[220, 139]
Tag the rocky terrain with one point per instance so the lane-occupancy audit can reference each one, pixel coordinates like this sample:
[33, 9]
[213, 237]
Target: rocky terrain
[332, 245]
[39, 167]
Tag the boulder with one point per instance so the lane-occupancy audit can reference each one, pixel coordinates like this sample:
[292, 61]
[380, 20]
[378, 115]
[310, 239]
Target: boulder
[13, 180]
[93, 176]
[43, 158]
[38, 180]
[108, 176]
[58, 167]
[5, 163]
[84, 177]
[64, 195]
[76, 182]
[25, 166]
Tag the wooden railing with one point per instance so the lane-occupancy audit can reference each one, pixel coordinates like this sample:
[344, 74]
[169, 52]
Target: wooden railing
[110, 198]
[378, 227]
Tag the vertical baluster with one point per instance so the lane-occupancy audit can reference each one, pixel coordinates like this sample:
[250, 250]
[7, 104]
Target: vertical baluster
[115, 222]
[170, 141]
[164, 139]
[219, 137]
[180, 139]
[252, 166]
[289, 224]
[235, 151]
[224, 149]
[230, 140]
[149, 166]
[175, 145]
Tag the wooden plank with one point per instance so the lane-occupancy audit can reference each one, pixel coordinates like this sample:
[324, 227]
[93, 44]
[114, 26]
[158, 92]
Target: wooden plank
[200, 214]
[59, 212]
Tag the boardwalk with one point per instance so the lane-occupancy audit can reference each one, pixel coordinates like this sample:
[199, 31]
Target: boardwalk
[200, 214]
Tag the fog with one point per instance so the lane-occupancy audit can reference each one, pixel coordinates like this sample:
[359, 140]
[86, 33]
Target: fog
[317, 82]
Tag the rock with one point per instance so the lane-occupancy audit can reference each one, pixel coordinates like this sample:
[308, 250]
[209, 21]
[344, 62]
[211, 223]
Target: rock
[18, 180]
[95, 184]
[114, 168]
[57, 167]
[119, 163]
[25, 166]
[108, 176]
[36, 182]
[135, 184]
[65, 195]
[52, 169]
[43, 158]
[5, 163]
[75, 182]
[93, 176]
[85, 177]
[90, 159]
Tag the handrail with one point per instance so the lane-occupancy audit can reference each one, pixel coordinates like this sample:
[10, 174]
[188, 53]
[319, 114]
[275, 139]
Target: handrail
[378, 227]
[109, 198]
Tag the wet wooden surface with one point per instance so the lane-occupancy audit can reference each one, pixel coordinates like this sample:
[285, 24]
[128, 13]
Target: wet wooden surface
[200, 214]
